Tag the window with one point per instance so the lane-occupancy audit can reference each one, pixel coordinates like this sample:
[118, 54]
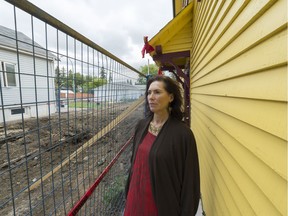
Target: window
[185, 3]
[9, 76]
[17, 111]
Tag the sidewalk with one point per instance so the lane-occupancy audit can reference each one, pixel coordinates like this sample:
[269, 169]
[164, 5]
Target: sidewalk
[199, 212]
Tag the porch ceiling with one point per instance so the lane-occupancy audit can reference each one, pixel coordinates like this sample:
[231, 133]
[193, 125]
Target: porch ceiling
[174, 40]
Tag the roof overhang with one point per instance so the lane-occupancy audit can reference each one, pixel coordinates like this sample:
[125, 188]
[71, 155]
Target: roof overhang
[174, 41]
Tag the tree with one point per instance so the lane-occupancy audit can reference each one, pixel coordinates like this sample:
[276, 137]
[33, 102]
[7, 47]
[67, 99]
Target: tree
[91, 83]
[102, 73]
[60, 79]
[77, 81]
[153, 69]
[71, 81]
[110, 77]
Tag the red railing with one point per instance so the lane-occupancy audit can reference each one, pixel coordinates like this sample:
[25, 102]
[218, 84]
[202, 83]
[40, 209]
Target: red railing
[89, 192]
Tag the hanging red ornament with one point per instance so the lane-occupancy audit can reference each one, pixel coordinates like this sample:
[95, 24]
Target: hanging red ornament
[147, 47]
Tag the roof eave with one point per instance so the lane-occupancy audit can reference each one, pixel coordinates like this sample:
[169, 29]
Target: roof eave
[168, 32]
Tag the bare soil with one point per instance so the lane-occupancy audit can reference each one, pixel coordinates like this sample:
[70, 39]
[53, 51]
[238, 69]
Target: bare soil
[37, 146]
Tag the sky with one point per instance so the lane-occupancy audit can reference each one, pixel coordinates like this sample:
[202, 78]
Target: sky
[117, 26]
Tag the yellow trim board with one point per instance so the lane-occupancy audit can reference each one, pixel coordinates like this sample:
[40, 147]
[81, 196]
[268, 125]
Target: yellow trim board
[172, 28]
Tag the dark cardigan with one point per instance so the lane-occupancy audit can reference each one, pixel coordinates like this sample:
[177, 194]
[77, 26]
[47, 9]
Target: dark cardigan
[174, 167]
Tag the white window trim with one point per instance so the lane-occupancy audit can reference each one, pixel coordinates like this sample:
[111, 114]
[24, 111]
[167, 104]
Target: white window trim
[4, 74]
[185, 3]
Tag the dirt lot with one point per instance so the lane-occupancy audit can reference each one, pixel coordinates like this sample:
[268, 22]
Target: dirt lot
[37, 146]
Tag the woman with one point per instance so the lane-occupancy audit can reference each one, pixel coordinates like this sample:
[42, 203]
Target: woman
[164, 178]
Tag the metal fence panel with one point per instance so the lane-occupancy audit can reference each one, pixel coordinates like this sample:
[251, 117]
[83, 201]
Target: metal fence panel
[63, 117]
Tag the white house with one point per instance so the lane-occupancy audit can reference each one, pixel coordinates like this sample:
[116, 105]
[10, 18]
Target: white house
[26, 77]
[118, 92]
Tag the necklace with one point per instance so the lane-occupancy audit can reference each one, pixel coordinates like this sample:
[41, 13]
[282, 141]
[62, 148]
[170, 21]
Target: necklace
[154, 130]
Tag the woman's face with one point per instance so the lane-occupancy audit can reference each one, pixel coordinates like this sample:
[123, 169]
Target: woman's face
[158, 97]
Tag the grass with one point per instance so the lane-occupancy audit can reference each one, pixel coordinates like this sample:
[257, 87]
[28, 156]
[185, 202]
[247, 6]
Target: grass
[116, 188]
[84, 104]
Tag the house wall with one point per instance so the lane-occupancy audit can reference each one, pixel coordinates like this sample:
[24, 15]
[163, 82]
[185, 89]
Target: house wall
[117, 93]
[31, 94]
[179, 4]
[182, 39]
[239, 105]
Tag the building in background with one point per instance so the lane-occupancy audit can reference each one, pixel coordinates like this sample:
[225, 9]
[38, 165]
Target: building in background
[26, 78]
[118, 92]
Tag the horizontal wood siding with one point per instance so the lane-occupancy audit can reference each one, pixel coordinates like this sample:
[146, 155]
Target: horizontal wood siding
[35, 88]
[43, 80]
[178, 6]
[239, 105]
[181, 41]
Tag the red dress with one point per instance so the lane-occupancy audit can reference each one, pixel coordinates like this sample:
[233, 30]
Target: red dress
[140, 200]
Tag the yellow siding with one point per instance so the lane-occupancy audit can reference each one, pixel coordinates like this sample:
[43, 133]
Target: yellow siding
[181, 41]
[177, 34]
[239, 105]
[178, 6]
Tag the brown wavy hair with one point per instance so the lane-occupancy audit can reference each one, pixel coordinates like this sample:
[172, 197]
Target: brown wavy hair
[172, 87]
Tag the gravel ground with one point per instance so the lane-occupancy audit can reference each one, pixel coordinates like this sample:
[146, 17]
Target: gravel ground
[34, 153]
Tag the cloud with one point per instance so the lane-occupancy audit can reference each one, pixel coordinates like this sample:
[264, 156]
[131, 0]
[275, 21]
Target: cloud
[117, 26]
